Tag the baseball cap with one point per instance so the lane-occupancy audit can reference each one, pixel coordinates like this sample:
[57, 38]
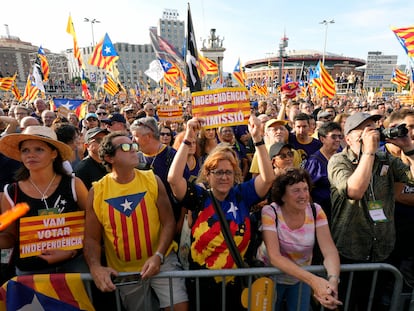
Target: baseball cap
[115, 117]
[91, 133]
[91, 115]
[276, 147]
[274, 121]
[355, 120]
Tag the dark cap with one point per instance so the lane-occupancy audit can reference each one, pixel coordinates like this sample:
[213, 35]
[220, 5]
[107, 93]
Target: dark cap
[148, 122]
[276, 147]
[355, 120]
[91, 133]
[117, 117]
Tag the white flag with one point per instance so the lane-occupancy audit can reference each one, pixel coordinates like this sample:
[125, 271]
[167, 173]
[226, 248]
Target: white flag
[38, 78]
[155, 71]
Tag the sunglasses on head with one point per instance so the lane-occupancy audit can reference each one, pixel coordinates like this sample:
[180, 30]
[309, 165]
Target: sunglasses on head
[127, 147]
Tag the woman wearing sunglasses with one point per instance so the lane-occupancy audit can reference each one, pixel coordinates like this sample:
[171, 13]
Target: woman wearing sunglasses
[220, 177]
[166, 135]
[281, 155]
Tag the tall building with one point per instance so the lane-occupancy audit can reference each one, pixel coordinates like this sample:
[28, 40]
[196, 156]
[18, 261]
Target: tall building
[172, 29]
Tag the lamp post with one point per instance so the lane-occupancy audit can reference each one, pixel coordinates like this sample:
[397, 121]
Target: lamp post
[326, 23]
[92, 21]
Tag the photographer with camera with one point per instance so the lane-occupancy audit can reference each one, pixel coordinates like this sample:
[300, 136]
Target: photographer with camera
[363, 202]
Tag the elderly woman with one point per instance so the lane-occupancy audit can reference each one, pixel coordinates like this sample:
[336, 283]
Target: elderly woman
[45, 186]
[220, 177]
[290, 227]
[281, 155]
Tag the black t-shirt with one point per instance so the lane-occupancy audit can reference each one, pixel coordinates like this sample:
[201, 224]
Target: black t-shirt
[88, 170]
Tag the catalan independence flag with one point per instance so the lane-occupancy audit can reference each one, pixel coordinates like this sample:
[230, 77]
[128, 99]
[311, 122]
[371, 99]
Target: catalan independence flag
[7, 83]
[207, 66]
[238, 74]
[46, 292]
[41, 60]
[104, 54]
[324, 81]
[399, 78]
[405, 36]
[109, 85]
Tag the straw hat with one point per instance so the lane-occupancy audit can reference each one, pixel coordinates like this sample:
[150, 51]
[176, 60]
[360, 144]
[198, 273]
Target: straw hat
[9, 144]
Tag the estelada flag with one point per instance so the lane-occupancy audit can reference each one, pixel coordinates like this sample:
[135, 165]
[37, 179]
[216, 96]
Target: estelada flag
[45, 292]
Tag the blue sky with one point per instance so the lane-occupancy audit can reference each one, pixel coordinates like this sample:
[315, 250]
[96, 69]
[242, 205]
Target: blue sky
[251, 29]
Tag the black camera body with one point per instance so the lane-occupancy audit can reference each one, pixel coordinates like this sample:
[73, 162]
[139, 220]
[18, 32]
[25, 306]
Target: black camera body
[394, 132]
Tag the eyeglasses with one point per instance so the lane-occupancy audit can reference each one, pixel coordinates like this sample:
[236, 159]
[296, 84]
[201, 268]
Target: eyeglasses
[127, 147]
[101, 113]
[165, 134]
[335, 136]
[283, 156]
[221, 173]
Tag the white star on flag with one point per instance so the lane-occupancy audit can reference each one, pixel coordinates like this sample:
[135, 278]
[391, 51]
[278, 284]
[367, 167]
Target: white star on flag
[233, 209]
[126, 205]
[107, 50]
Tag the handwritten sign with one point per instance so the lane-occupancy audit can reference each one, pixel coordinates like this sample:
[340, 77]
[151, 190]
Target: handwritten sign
[56, 231]
[222, 107]
[172, 113]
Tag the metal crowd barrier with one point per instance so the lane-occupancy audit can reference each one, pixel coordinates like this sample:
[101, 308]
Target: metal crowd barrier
[395, 302]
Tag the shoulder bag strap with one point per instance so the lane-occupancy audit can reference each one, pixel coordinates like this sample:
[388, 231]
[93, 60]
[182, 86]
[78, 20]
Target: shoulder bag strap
[226, 232]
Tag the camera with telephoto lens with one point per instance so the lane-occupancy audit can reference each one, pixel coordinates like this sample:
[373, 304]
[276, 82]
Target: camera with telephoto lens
[394, 132]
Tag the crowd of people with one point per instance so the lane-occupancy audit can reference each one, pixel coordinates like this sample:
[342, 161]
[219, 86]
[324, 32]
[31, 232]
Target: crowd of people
[332, 179]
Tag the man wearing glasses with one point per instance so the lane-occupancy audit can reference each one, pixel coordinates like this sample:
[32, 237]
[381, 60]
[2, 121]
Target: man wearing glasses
[129, 209]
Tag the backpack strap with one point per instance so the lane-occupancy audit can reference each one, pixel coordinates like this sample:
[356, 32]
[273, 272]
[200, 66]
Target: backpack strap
[313, 207]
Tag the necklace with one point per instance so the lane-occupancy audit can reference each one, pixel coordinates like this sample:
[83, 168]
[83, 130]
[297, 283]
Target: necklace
[43, 194]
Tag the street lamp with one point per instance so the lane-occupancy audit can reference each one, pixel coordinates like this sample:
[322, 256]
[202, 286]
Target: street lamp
[92, 21]
[326, 23]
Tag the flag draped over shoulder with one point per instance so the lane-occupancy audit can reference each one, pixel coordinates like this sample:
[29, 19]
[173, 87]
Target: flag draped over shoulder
[46, 292]
[109, 85]
[191, 58]
[238, 74]
[323, 81]
[399, 78]
[104, 54]
[405, 36]
[6, 83]
[70, 29]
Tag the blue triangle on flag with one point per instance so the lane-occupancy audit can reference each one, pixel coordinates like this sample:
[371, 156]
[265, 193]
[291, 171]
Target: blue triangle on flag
[126, 204]
[23, 298]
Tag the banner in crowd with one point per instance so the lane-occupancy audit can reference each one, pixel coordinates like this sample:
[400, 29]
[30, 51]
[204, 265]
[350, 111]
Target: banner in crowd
[51, 231]
[222, 107]
[172, 113]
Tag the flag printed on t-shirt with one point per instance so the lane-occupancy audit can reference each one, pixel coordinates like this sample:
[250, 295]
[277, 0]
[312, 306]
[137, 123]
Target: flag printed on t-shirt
[126, 204]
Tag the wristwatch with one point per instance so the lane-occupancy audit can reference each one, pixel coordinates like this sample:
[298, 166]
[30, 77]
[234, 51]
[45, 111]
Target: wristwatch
[160, 255]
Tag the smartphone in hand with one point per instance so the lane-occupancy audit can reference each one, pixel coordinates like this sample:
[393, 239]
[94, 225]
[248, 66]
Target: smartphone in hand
[126, 279]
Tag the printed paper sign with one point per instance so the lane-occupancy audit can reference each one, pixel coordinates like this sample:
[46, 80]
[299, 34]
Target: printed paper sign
[222, 107]
[172, 113]
[56, 231]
